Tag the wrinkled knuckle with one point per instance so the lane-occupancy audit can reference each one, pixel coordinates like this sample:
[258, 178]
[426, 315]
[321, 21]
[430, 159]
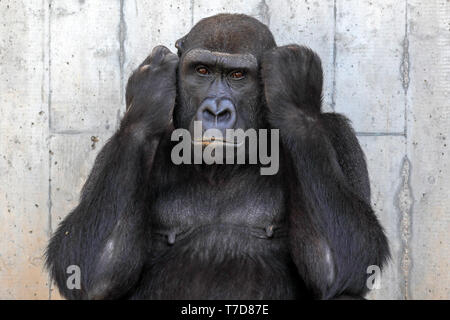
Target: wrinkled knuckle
[172, 62]
[269, 54]
[293, 46]
[281, 55]
[156, 69]
[162, 51]
[172, 58]
[144, 68]
[275, 53]
[159, 50]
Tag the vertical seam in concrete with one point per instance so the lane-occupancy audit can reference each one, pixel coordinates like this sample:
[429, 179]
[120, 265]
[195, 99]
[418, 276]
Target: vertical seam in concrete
[122, 55]
[49, 67]
[406, 200]
[404, 67]
[405, 207]
[264, 12]
[192, 12]
[333, 92]
[49, 102]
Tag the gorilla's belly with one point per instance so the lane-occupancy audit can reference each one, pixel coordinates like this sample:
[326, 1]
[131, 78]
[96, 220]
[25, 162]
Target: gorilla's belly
[220, 262]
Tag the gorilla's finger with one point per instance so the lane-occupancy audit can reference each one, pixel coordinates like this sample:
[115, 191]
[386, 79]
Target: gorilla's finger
[158, 55]
[143, 68]
[171, 58]
[157, 51]
[170, 62]
[146, 61]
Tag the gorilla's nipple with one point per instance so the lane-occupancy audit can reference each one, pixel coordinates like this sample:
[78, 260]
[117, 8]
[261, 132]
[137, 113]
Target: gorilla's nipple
[171, 238]
[269, 231]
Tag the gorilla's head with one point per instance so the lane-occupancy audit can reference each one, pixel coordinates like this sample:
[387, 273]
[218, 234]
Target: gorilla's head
[219, 73]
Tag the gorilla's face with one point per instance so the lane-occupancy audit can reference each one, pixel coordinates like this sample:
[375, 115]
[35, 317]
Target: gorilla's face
[219, 74]
[219, 89]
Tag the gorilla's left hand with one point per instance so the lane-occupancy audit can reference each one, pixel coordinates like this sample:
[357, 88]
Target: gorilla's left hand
[329, 208]
[292, 77]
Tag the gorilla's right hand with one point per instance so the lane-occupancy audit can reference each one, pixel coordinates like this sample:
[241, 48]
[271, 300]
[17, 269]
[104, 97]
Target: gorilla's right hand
[150, 95]
[105, 235]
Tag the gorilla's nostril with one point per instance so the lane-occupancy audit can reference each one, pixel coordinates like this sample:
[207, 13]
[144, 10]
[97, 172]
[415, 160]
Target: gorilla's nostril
[224, 115]
[216, 113]
[208, 114]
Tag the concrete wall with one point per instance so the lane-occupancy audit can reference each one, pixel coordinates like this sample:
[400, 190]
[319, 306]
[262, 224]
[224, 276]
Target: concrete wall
[64, 64]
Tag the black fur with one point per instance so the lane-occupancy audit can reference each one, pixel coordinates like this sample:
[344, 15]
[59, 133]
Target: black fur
[148, 229]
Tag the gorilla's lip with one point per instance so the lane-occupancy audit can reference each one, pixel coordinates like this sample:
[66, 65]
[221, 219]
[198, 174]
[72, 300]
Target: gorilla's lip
[217, 141]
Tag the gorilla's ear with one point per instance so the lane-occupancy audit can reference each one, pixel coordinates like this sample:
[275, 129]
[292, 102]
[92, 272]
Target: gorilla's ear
[179, 44]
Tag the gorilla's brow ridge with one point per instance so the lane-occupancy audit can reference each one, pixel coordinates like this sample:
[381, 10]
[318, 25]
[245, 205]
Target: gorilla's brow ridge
[228, 60]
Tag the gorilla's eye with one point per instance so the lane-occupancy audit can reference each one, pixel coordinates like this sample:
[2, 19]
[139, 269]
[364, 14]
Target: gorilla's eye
[202, 70]
[237, 74]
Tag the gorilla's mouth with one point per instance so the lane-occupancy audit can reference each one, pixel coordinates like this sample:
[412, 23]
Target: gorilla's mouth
[217, 142]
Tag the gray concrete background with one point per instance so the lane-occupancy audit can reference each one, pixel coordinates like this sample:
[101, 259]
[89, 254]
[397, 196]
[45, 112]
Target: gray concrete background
[64, 65]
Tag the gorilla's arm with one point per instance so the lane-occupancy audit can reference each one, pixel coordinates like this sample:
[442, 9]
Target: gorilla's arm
[105, 234]
[334, 233]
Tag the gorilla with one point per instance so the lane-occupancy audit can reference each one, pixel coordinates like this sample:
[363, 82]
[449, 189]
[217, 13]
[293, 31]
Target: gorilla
[146, 228]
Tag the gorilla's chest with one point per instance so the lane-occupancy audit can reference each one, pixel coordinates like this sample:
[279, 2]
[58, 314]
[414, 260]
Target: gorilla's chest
[230, 240]
[251, 206]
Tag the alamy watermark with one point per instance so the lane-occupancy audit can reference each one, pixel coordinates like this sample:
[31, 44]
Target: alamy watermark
[211, 147]
[374, 280]
[74, 280]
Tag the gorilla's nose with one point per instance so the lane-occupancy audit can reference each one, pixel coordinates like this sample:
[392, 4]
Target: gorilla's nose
[217, 114]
